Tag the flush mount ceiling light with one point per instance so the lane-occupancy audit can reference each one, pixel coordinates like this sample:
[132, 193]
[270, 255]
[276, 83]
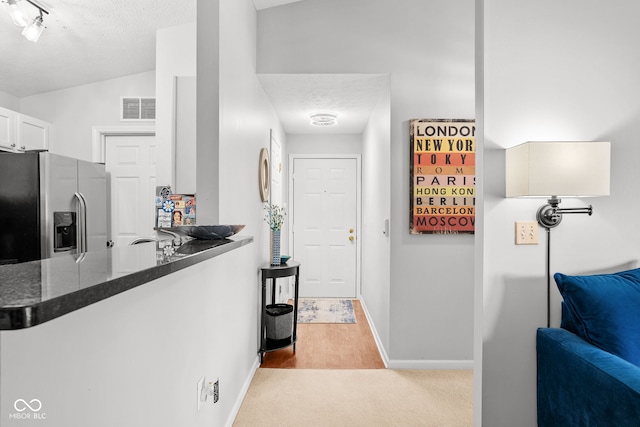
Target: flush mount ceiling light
[324, 119]
[19, 16]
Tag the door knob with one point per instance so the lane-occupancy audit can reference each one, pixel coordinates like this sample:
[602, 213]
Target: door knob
[351, 238]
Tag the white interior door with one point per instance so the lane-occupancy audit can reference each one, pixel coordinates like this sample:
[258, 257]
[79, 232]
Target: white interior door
[325, 212]
[131, 168]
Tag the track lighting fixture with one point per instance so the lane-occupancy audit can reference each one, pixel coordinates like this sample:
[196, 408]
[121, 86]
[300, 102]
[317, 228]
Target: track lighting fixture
[19, 16]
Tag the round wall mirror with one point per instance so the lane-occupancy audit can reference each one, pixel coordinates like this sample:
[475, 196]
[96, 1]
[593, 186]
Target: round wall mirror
[263, 174]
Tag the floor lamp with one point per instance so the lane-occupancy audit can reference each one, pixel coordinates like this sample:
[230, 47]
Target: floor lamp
[557, 170]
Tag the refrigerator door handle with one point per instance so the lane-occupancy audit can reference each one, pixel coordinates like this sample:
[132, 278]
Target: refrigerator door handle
[82, 223]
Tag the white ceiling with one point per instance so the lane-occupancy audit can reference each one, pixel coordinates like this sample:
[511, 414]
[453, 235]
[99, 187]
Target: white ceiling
[351, 96]
[296, 96]
[87, 41]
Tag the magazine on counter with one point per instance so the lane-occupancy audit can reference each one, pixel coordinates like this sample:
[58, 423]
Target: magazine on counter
[175, 210]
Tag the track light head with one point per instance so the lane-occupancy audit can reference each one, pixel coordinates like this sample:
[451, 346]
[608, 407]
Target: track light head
[32, 28]
[18, 15]
[33, 31]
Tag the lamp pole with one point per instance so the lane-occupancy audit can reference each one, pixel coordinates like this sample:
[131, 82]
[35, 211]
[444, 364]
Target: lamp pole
[548, 277]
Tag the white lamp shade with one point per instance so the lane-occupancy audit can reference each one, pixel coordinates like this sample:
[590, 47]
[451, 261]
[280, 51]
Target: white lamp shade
[563, 169]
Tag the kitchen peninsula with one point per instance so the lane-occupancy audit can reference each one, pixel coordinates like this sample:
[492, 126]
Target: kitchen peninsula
[39, 291]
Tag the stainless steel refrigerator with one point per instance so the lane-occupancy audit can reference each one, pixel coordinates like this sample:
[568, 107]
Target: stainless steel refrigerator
[50, 205]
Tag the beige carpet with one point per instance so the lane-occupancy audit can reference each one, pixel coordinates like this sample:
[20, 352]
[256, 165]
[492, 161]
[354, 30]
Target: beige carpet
[362, 397]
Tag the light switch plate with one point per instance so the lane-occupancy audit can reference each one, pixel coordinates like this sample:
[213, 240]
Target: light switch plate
[526, 232]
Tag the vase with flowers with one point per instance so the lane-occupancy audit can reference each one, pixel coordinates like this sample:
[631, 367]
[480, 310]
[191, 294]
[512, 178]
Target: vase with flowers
[274, 216]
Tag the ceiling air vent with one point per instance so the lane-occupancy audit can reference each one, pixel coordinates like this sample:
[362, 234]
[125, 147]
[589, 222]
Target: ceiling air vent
[138, 108]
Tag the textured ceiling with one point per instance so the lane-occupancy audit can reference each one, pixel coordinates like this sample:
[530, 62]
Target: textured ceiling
[85, 41]
[351, 96]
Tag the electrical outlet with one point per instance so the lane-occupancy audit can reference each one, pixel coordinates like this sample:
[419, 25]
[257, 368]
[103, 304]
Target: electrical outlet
[201, 392]
[216, 390]
[526, 233]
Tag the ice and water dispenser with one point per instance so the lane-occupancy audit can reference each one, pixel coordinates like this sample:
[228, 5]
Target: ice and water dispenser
[64, 232]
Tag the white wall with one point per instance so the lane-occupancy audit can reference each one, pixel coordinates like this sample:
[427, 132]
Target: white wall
[246, 117]
[323, 144]
[135, 359]
[175, 56]
[9, 101]
[427, 48]
[233, 139]
[552, 71]
[74, 111]
[376, 169]
[185, 156]
[208, 112]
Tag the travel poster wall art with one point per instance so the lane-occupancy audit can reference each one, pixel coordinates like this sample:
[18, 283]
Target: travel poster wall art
[443, 168]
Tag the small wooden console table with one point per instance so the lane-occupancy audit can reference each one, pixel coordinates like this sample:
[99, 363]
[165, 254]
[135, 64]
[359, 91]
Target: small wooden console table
[273, 272]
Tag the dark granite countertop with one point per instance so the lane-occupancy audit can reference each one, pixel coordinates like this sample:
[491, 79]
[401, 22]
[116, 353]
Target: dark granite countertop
[35, 292]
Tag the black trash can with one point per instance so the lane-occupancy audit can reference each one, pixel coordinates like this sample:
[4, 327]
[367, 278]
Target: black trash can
[279, 321]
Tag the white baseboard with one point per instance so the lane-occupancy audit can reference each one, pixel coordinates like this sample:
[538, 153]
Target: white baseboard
[431, 364]
[243, 393]
[374, 331]
[411, 364]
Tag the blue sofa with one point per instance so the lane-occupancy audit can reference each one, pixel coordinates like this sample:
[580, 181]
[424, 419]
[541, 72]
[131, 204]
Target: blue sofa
[589, 369]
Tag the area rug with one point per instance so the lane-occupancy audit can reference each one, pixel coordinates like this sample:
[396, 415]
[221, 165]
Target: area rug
[325, 311]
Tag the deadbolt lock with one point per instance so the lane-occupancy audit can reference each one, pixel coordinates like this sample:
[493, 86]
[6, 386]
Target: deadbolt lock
[351, 230]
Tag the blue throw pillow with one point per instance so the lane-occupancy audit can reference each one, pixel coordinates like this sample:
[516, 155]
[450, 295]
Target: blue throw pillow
[567, 321]
[604, 310]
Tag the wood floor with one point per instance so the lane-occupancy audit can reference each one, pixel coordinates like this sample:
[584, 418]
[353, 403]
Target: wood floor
[330, 346]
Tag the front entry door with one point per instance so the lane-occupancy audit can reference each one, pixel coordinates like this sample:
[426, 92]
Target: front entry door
[324, 226]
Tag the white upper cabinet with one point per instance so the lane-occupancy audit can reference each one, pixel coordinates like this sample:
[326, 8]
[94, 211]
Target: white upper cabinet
[7, 129]
[19, 132]
[33, 134]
